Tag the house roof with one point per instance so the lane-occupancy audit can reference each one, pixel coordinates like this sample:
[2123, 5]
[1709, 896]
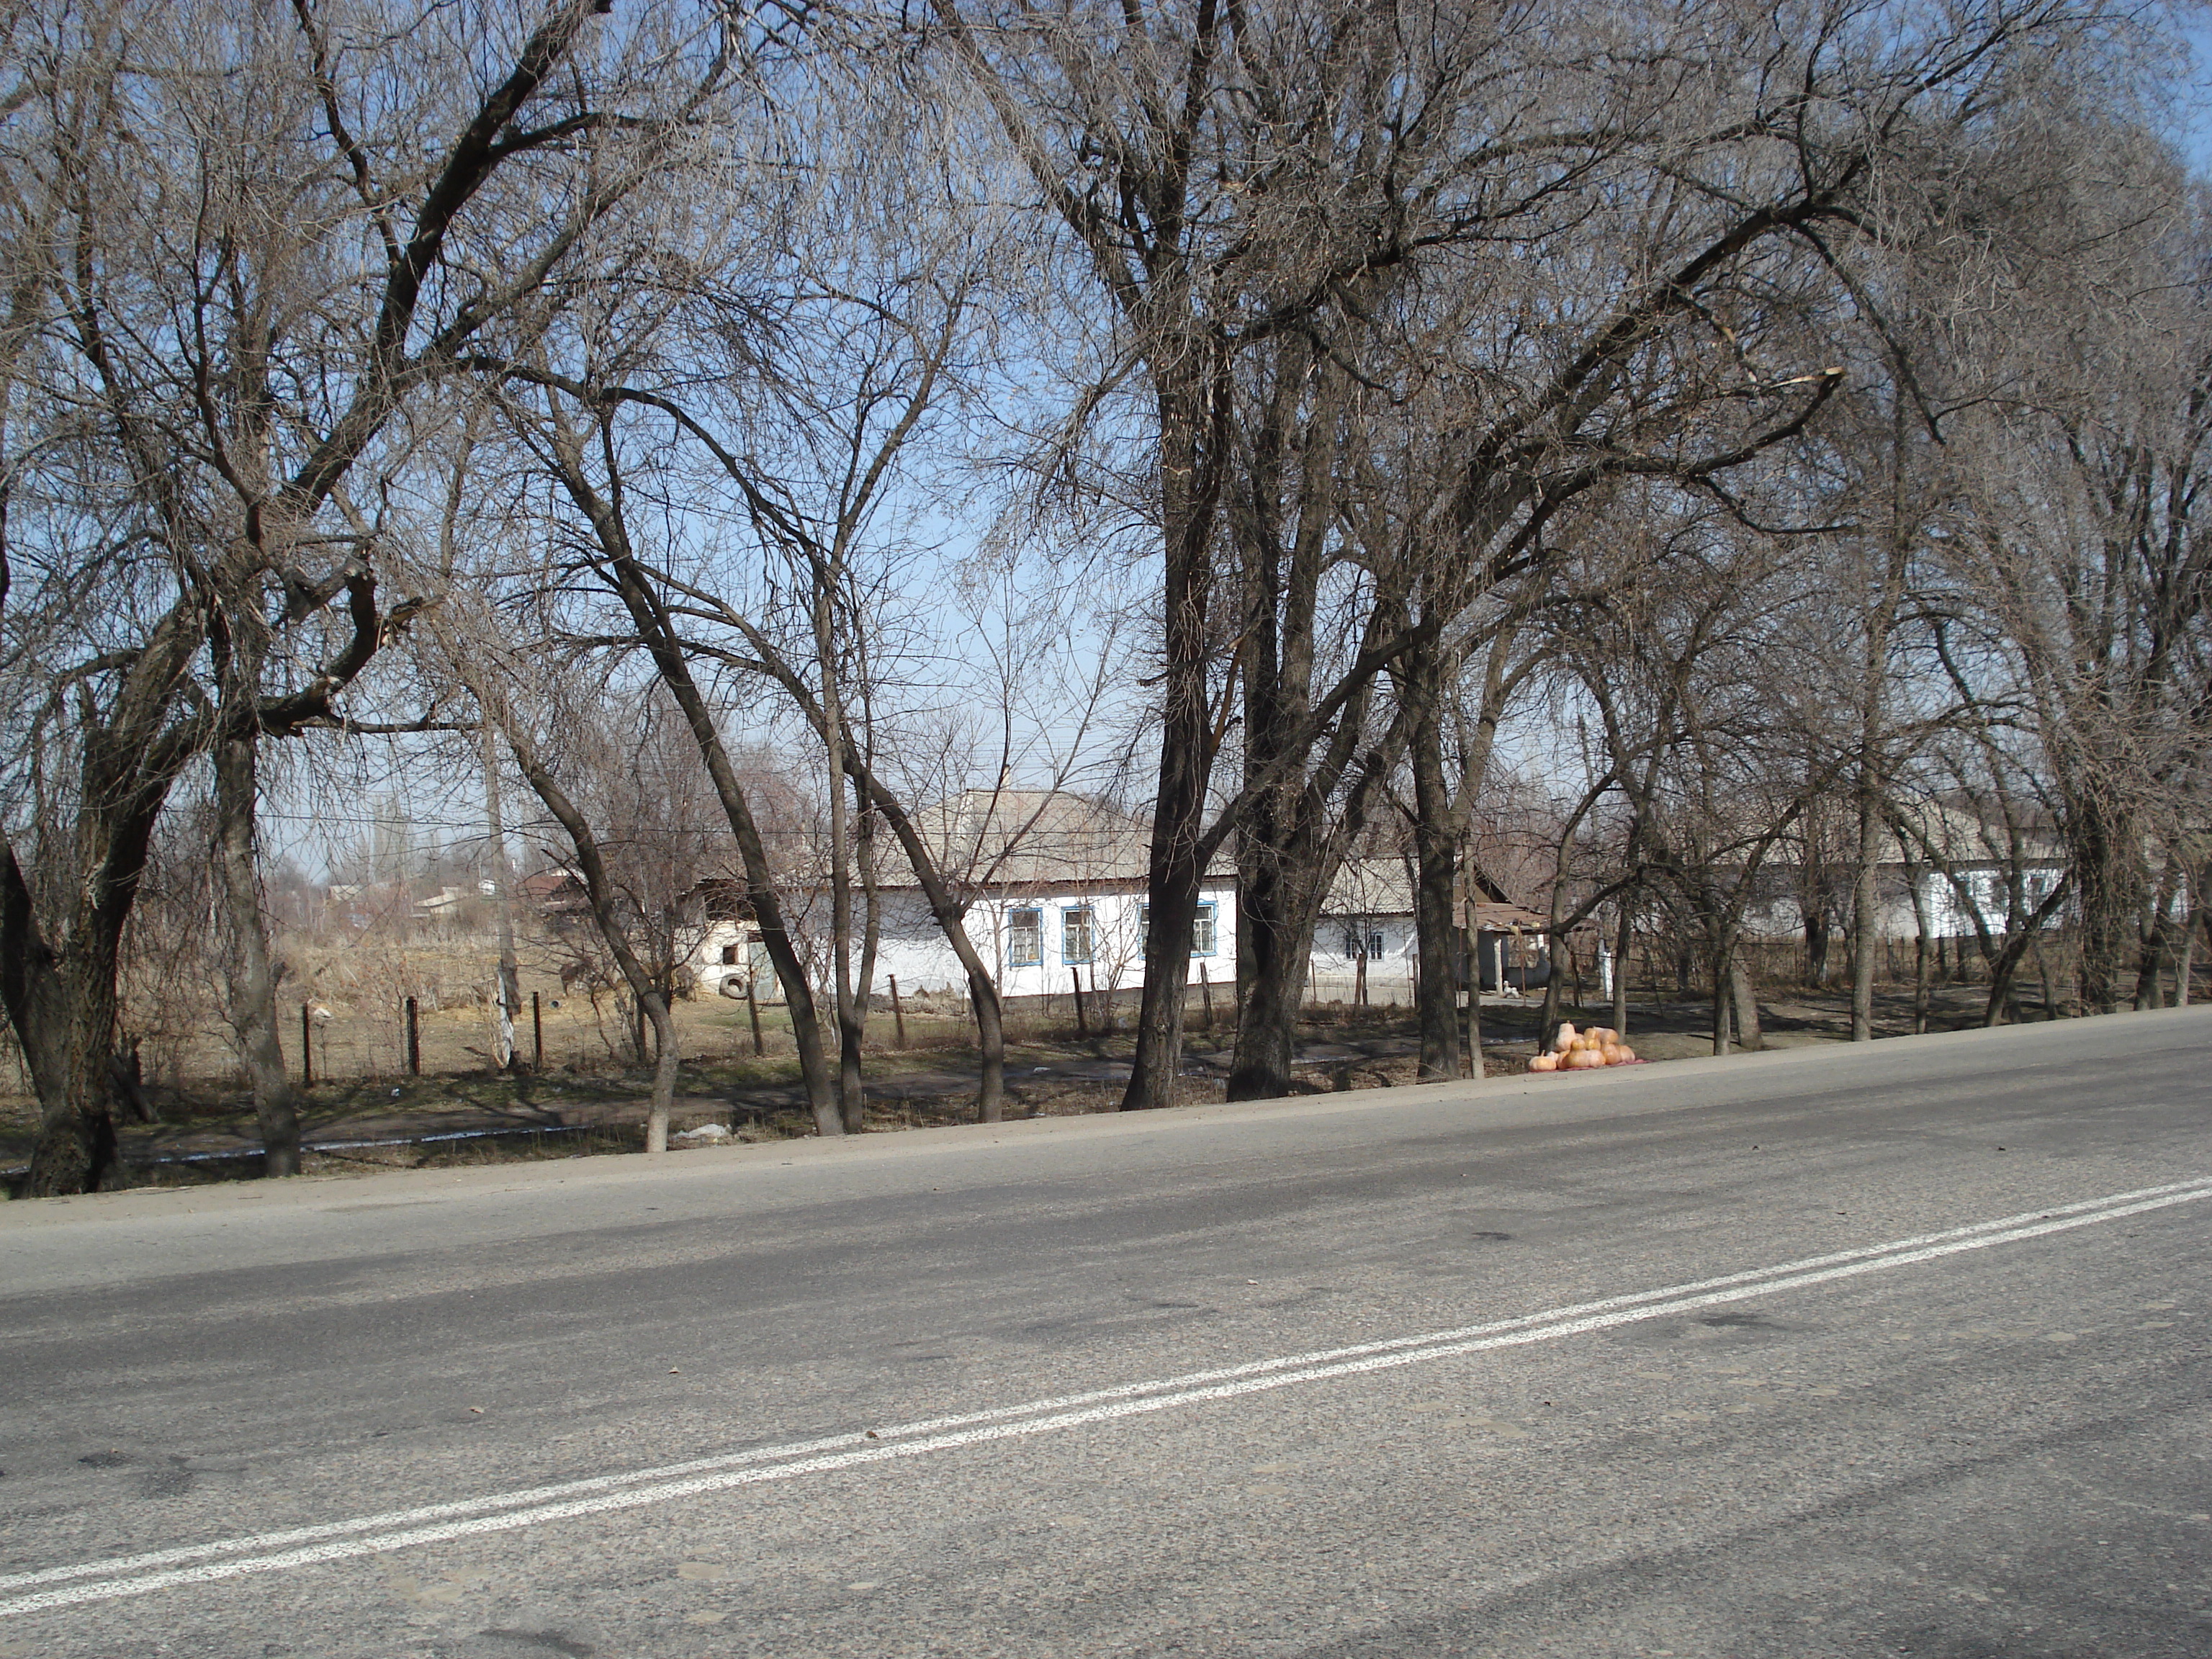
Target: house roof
[998, 839]
[1024, 842]
[1013, 840]
[1371, 887]
[1384, 887]
[722, 898]
[1962, 831]
[1954, 832]
[1488, 918]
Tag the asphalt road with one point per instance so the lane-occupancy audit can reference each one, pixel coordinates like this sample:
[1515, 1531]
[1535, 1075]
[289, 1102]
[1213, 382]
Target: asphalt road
[1837, 1352]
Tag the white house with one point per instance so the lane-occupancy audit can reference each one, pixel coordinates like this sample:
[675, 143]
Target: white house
[1369, 912]
[1975, 849]
[1371, 909]
[1056, 889]
[1055, 884]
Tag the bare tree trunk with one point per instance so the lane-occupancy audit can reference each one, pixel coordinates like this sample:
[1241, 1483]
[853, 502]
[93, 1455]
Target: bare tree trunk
[1720, 968]
[1474, 1029]
[871, 910]
[251, 982]
[503, 898]
[60, 994]
[2051, 1008]
[1284, 873]
[657, 632]
[666, 1058]
[948, 907]
[1815, 915]
[600, 892]
[1191, 415]
[2157, 945]
[62, 1006]
[2191, 917]
[1273, 949]
[1865, 903]
[1434, 839]
[1548, 1025]
[852, 1084]
[2006, 961]
[2104, 859]
[767, 910]
[951, 915]
[852, 1089]
[1286, 853]
[1625, 941]
[1920, 963]
[1746, 998]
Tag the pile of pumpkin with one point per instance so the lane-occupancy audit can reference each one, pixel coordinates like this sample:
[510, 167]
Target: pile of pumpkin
[1573, 1051]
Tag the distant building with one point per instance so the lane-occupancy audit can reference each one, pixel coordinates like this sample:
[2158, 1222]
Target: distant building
[1958, 862]
[1055, 887]
[553, 890]
[1054, 883]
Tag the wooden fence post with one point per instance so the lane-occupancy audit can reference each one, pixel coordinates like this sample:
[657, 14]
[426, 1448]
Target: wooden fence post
[306, 1049]
[537, 1033]
[1075, 983]
[414, 1041]
[898, 1014]
[1205, 995]
[752, 1012]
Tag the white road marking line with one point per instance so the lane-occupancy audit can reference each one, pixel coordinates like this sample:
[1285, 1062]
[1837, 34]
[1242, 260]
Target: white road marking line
[401, 1518]
[731, 1460]
[400, 1529]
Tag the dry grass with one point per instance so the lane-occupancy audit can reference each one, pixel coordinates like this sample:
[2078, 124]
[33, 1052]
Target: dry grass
[597, 1090]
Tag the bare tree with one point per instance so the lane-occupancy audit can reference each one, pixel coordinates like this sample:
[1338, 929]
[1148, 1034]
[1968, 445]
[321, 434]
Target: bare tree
[650, 991]
[1226, 175]
[209, 383]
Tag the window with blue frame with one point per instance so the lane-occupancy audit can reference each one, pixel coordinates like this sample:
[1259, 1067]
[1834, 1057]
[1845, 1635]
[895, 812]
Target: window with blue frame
[1077, 927]
[1201, 930]
[1202, 933]
[1024, 937]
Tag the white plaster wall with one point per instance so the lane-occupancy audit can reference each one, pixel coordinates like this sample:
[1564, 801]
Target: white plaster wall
[1950, 918]
[1389, 974]
[1781, 919]
[913, 949]
[708, 968]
